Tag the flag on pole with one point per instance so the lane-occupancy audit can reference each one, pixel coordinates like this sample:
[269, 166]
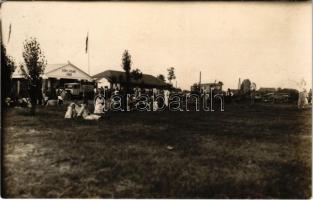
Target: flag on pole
[87, 42]
[10, 27]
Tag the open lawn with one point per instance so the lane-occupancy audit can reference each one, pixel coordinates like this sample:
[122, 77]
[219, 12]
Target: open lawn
[263, 151]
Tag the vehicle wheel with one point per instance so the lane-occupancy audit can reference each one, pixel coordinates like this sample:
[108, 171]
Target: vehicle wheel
[69, 96]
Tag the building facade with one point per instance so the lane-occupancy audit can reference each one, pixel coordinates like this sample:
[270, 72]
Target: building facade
[117, 80]
[207, 87]
[55, 76]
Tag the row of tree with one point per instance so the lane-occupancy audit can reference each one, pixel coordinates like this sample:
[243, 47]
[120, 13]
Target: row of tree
[33, 66]
[137, 74]
[170, 76]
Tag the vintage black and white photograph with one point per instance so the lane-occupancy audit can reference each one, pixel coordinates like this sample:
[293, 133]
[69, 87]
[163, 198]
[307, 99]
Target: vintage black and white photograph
[175, 100]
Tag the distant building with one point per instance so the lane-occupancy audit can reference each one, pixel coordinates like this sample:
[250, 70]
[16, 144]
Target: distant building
[207, 87]
[235, 91]
[117, 80]
[266, 90]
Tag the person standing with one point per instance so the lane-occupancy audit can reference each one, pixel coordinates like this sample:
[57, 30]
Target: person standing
[166, 97]
[99, 104]
[310, 96]
[302, 99]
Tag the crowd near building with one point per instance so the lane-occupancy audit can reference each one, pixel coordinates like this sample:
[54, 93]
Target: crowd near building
[71, 81]
[77, 83]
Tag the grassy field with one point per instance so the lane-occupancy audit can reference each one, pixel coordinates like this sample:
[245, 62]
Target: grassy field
[263, 151]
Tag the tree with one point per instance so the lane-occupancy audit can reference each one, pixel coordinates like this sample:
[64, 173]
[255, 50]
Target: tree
[7, 69]
[126, 64]
[220, 83]
[171, 74]
[161, 77]
[33, 68]
[195, 87]
[245, 86]
[136, 74]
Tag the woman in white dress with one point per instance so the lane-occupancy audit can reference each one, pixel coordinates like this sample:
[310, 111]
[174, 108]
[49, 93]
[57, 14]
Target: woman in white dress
[99, 105]
[71, 111]
[166, 97]
[83, 111]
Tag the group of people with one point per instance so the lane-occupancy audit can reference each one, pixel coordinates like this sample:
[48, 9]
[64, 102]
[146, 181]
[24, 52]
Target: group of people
[104, 97]
[80, 110]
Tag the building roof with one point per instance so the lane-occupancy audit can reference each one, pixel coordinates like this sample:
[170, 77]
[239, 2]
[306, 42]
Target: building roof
[120, 77]
[211, 84]
[17, 73]
[65, 70]
[52, 67]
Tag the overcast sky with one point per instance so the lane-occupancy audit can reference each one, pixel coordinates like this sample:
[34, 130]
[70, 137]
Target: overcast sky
[269, 43]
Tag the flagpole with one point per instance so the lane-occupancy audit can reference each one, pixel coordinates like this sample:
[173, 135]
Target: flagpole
[88, 55]
[88, 62]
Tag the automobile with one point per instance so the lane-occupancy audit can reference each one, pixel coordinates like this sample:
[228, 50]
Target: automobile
[257, 97]
[281, 97]
[268, 97]
[276, 97]
[78, 89]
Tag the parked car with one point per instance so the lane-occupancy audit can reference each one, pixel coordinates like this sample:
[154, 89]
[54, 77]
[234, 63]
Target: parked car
[276, 97]
[78, 89]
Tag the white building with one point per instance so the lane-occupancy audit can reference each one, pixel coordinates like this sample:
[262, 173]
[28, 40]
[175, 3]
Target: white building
[55, 75]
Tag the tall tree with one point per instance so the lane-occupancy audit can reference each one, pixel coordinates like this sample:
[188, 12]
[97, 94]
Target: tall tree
[34, 66]
[126, 64]
[161, 77]
[171, 74]
[7, 69]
